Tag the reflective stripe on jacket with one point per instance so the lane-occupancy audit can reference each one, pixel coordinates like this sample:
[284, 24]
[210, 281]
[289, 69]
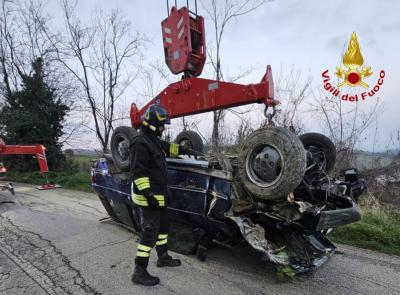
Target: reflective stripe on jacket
[149, 167]
[141, 200]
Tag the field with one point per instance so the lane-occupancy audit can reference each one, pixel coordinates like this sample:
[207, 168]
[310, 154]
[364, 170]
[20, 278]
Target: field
[378, 229]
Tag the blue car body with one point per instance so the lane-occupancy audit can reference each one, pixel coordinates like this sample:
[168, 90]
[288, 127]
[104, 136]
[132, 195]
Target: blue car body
[207, 198]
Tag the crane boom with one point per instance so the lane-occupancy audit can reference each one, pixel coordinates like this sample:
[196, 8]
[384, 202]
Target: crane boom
[184, 48]
[196, 95]
[36, 149]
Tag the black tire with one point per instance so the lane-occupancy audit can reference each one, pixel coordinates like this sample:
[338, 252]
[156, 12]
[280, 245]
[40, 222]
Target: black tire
[191, 140]
[120, 141]
[322, 143]
[289, 168]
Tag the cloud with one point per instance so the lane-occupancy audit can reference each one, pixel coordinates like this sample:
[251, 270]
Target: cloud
[390, 28]
[310, 35]
[336, 41]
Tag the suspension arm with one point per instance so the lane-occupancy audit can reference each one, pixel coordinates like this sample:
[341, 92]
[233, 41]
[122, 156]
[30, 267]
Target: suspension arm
[192, 96]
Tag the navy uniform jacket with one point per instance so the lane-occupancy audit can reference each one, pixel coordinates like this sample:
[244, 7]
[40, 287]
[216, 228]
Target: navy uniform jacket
[149, 167]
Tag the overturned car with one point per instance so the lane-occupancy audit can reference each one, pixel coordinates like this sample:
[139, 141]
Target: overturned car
[275, 195]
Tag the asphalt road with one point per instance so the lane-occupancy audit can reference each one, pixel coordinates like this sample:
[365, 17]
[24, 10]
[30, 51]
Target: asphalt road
[53, 242]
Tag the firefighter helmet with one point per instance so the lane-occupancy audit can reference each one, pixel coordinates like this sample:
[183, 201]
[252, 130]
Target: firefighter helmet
[156, 116]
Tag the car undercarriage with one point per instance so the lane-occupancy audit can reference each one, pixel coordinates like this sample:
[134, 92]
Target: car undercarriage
[286, 218]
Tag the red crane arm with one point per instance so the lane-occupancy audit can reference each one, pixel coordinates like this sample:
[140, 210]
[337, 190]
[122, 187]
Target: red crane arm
[36, 149]
[196, 95]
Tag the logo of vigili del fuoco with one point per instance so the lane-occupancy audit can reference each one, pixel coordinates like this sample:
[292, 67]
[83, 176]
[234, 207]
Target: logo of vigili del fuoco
[353, 74]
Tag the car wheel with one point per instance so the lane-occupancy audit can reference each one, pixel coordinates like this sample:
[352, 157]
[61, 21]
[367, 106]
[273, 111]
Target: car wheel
[190, 139]
[272, 163]
[321, 149]
[120, 141]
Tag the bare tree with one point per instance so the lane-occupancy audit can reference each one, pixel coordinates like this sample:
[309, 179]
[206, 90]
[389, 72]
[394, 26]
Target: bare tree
[394, 143]
[291, 88]
[101, 56]
[346, 123]
[155, 77]
[24, 37]
[244, 129]
[6, 51]
[221, 13]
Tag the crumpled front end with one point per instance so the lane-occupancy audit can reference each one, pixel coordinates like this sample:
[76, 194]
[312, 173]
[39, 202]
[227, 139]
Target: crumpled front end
[293, 233]
[302, 251]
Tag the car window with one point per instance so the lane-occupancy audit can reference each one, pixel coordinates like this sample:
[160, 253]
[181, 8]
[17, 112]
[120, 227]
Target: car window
[221, 187]
[186, 179]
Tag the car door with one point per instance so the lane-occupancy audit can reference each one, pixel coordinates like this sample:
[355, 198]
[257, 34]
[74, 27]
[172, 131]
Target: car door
[187, 196]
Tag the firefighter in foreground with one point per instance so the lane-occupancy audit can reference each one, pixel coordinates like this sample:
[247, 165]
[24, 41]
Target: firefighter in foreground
[149, 191]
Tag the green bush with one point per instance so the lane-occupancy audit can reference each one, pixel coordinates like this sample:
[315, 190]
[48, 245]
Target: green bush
[78, 163]
[69, 180]
[76, 174]
[378, 229]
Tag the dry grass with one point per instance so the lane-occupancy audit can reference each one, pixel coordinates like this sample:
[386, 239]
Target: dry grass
[378, 229]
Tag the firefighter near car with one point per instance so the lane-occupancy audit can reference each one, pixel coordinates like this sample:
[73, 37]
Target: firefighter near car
[150, 193]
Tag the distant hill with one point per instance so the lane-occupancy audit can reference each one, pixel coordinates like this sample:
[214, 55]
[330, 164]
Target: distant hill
[84, 152]
[367, 160]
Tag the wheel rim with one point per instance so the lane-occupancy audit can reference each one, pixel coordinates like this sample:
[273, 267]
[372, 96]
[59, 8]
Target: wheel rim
[123, 148]
[264, 165]
[186, 143]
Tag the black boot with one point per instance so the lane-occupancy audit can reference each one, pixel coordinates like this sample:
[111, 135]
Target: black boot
[142, 277]
[201, 252]
[166, 260]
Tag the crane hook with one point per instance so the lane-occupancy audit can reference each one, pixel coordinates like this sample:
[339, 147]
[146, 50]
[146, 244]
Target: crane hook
[270, 115]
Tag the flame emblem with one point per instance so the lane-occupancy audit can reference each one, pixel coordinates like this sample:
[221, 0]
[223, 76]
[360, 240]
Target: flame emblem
[353, 60]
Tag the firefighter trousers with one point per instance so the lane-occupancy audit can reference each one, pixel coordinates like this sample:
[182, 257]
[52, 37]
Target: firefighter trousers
[154, 225]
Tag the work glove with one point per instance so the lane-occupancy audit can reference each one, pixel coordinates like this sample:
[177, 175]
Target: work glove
[152, 201]
[191, 152]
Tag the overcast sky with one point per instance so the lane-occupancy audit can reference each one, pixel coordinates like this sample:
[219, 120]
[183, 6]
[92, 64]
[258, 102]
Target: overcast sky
[308, 35]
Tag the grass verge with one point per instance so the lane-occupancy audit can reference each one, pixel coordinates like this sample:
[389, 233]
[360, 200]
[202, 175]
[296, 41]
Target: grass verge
[378, 229]
[70, 180]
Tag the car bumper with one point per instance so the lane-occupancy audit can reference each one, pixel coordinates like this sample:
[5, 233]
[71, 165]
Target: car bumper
[334, 218]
